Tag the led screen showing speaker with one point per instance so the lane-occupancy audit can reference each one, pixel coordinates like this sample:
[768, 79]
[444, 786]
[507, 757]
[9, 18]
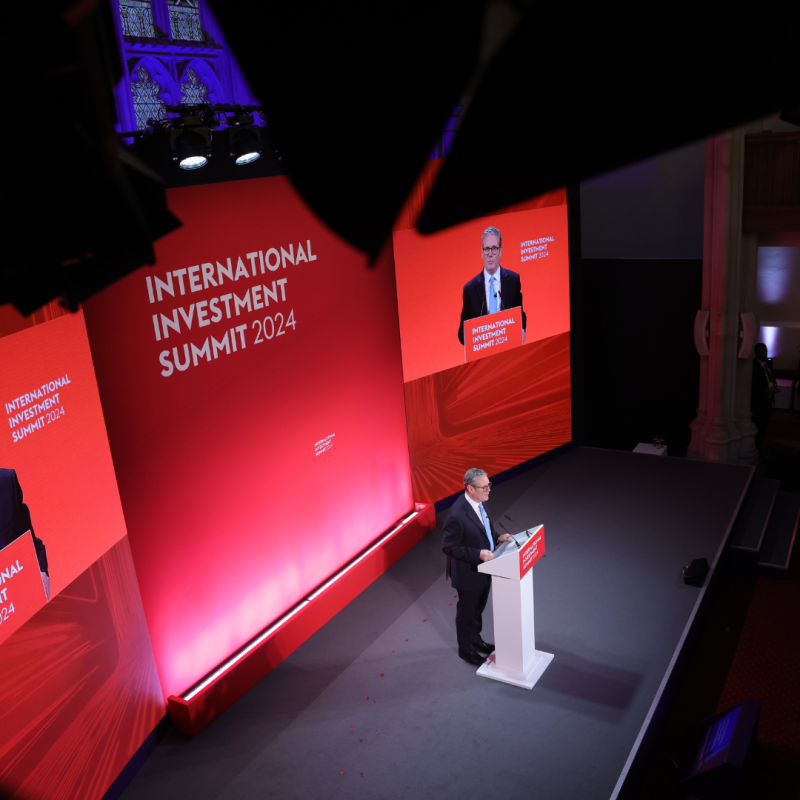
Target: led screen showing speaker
[59, 507]
[252, 388]
[484, 327]
[79, 682]
[444, 295]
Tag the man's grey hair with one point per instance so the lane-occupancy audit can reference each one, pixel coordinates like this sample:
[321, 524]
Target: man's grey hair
[472, 475]
[492, 231]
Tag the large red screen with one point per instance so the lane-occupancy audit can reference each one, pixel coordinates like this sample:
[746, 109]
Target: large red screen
[79, 682]
[252, 388]
[432, 271]
[511, 406]
[54, 439]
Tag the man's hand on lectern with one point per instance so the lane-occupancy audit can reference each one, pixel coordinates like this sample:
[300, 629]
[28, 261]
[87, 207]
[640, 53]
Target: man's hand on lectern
[486, 555]
[505, 537]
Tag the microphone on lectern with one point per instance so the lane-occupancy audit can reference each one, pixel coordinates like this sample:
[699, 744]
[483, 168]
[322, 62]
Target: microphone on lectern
[527, 532]
[509, 533]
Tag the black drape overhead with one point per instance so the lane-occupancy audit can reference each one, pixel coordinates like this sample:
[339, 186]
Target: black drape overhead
[575, 93]
[355, 96]
[357, 93]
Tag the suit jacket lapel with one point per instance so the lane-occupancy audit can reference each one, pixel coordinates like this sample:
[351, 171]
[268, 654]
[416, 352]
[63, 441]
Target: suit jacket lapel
[505, 290]
[474, 517]
[479, 298]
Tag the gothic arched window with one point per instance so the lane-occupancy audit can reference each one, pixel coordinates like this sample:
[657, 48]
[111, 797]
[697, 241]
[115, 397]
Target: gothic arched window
[146, 101]
[184, 20]
[193, 92]
[137, 18]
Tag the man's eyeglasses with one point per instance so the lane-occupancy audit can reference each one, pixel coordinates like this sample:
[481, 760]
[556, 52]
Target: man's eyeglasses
[487, 486]
[491, 250]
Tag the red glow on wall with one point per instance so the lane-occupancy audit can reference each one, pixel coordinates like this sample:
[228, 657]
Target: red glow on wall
[80, 688]
[248, 478]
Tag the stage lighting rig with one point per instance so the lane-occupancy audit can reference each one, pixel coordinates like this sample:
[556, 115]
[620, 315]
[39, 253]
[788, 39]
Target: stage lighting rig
[190, 133]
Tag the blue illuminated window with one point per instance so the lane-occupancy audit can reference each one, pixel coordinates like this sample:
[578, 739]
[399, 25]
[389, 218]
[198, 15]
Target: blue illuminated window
[193, 92]
[146, 101]
[137, 18]
[184, 20]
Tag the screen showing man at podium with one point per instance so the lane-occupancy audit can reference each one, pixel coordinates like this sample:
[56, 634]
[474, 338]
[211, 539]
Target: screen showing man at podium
[493, 289]
[466, 365]
[474, 270]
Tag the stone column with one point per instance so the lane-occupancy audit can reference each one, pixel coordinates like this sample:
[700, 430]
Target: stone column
[748, 271]
[722, 430]
[699, 424]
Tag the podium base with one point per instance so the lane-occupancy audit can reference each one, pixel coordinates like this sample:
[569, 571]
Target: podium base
[526, 680]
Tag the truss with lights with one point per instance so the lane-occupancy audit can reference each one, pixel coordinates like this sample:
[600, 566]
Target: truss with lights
[190, 132]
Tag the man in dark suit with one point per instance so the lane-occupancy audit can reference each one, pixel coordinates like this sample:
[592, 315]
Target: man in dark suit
[15, 519]
[494, 288]
[469, 539]
[762, 394]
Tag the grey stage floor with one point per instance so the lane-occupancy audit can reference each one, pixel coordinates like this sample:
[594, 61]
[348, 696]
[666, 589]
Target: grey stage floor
[610, 603]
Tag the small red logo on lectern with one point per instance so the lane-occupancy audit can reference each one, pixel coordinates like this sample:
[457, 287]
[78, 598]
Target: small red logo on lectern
[531, 552]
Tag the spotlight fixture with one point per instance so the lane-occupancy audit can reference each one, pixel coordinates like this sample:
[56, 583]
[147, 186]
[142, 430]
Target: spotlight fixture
[190, 141]
[245, 138]
[246, 147]
[191, 147]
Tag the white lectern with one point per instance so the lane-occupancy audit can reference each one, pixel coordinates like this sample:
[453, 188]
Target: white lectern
[515, 659]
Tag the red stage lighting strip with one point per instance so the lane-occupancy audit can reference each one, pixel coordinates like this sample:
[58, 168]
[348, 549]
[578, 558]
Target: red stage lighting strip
[205, 701]
[289, 614]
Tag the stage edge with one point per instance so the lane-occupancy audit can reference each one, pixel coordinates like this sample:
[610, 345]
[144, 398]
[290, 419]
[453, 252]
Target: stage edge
[627, 787]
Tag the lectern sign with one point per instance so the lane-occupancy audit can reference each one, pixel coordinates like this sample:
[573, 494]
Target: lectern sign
[485, 336]
[21, 590]
[531, 552]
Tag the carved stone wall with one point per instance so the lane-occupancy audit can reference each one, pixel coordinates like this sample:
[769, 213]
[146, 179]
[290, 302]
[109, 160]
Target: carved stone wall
[723, 430]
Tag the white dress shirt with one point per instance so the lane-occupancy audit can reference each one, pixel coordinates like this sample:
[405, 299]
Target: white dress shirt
[487, 282]
[475, 507]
